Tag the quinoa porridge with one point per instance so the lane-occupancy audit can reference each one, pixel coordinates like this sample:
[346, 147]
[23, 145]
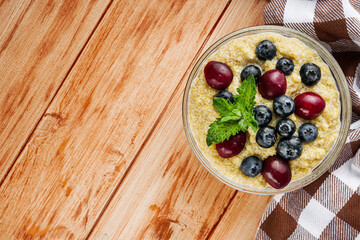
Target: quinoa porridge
[238, 54]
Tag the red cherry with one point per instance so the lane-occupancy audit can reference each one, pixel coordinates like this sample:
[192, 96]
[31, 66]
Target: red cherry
[276, 172]
[309, 105]
[233, 146]
[218, 75]
[272, 84]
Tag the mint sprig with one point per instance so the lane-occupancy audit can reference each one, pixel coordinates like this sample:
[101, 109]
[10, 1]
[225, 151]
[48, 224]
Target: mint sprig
[234, 117]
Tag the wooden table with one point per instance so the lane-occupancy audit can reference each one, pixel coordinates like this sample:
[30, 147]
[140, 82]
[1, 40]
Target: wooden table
[92, 143]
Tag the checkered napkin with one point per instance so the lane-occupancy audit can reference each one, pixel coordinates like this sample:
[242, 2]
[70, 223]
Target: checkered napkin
[329, 208]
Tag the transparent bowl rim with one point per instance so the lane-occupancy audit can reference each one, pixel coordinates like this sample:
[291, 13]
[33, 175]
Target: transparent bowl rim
[345, 105]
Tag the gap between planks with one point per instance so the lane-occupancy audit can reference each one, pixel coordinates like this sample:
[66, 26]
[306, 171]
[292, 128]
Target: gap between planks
[212, 230]
[56, 92]
[227, 206]
[175, 83]
[157, 121]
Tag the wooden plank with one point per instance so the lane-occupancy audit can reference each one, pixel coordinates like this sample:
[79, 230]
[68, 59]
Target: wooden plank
[101, 115]
[39, 42]
[242, 217]
[167, 193]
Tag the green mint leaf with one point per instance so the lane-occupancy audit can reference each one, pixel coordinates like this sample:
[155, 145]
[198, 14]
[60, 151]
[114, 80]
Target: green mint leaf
[250, 121]
[237, 112]
[235, 117]
[246, 97]
[243, 125]
[222, 106]
[230, 118]
[221, 131]
[253, 124]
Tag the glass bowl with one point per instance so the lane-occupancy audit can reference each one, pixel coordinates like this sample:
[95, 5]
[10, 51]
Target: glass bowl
[345, 105]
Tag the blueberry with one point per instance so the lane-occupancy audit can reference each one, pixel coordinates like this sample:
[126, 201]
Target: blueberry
[289, 148]
[266, 137]
[283, 106]
[251, 166]
[263, 115]
[286, 65]
[285, 127]
[308, 132]
[250, 70]
[226, 95]
[310, 74]
[265, 50]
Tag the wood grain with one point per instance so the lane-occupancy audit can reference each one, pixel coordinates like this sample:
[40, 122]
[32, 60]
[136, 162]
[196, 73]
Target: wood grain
[167, 193]
[101, 116]
[242, 217]
[39, 41]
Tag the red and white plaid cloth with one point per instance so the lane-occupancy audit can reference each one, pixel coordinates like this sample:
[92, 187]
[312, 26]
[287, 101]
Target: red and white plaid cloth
[329, 208]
